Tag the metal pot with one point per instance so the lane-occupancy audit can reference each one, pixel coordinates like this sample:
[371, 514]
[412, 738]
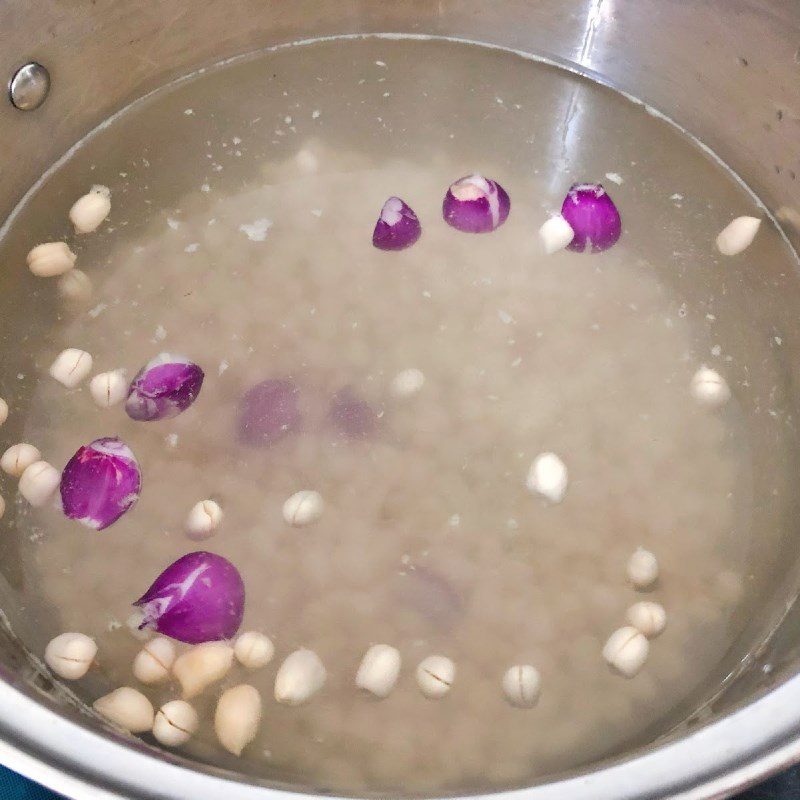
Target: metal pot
[727, 72]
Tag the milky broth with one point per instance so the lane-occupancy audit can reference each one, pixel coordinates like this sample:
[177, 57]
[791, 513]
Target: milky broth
[243, 202]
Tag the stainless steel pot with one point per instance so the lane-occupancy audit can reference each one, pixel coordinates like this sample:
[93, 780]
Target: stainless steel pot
[726, 70]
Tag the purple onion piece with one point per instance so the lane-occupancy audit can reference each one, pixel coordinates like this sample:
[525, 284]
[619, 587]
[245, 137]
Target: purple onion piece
[163, 388]
[593, 216]
[475, 204]
[268, 412]
[198, 598]
[100, 483]
[397, 227]
[351, 416]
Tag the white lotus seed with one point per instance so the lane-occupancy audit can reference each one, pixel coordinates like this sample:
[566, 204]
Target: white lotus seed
[300, 676]
[204, 518]
[18, 458]
[133, 622]
[548, 477]
[738, 235]
[75, 285]
[2, 507]
[71, 367]
[522, 685]
[648, 618]
[127, 708]
[709, 388]
[303, 508]
[253, 649]
[39, 482]
[175, 723]
[3, 411]
[90, 210]
[154, 661]
[201, 666]
[407, 383]
[52, 258]
[626, 651]
[109, 388]
[435, 675]
[70, 655]
[642, 568]
[556, 234]
[379, 670]
[237, 718]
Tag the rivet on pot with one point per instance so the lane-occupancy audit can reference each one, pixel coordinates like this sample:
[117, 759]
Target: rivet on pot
[29, 86]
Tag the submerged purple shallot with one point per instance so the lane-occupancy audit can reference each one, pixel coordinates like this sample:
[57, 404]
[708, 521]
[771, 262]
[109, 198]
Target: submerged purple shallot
[198, 598]
[593, 217]
[163, 388]
[268, 412]
[100, 483]
[475, 204]
[397, 227]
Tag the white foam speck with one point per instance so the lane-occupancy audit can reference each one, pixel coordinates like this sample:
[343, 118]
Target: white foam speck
[161, 333]
[380, 63]
[614, 177]
[189, 112]
[317, 212]
[192, 248]
[315, 113]
[256, 231]
[173, 223]
[236, 140]
[171, 440]
[98, 310]
[223, 365]
[205, 188]
[505, 317]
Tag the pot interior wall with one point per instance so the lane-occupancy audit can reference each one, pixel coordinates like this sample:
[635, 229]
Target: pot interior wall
[743, 103]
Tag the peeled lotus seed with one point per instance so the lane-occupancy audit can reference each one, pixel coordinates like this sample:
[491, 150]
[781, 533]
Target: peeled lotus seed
[648, 618]
[642, 568]
[154, 661]
[556, 234]
[253, 650]
[109, 388]
[39, 482]
[407, 383]
[71, 367]
[379, 670]
[303, 508]
[237, 718]
[127, 708]
[52, 258]
[175, 723]
[203, 519]
[201, 666]
[626, 651]
[738, 235]
[70, 655]
[709, 388]
[300, 676]
[548, 477]
[522, 685]
[435, 676]
[2, 507]
[90, 210]
[3, 411]
[18, 458]
[75, 285]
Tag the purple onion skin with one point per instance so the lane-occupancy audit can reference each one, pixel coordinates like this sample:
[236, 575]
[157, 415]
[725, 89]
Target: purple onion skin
[163, 388]
[397, 227]
[593, 216]
[100, 483]
[352, 417]
[475, 204]
[198, 598]
[268, 412]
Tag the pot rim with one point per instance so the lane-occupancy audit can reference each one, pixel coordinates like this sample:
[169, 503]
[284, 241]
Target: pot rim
[725, 756]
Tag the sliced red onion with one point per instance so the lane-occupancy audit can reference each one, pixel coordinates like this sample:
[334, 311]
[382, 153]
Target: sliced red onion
[269, 411]
[198, 598]
[593, 217]
[163, 388]
[475, 204]
[100, 483]
[352, 417]
[397, 227]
